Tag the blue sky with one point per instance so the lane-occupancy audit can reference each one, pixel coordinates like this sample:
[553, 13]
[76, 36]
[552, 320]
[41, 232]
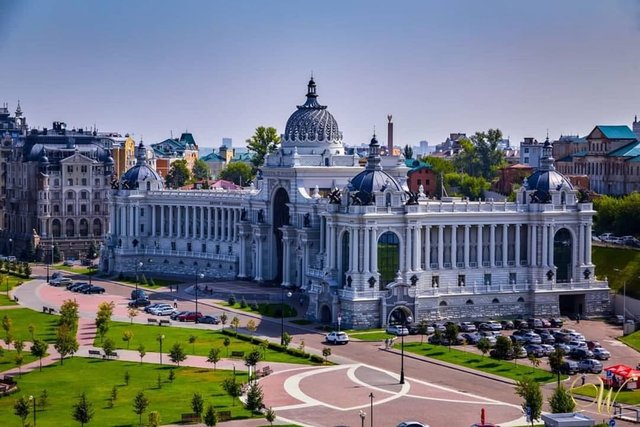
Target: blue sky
[222, 68]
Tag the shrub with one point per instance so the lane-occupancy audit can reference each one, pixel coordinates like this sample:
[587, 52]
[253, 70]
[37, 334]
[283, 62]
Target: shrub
[232, 300]
[253, 306]
[316, 359]
[298, 353]
[243, 303]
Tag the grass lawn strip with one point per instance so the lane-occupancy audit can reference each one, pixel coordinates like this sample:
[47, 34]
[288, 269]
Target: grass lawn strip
[503, 368]
[7, 283]
[628, 397]
[64, 386]
[8, 358]
[632, 340]
[205, 340]
[371, 336]
[45, 324]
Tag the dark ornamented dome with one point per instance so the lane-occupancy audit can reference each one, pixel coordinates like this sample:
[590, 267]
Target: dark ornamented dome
[141, 176]
[372, 179]
[546, 178]
[311, 122]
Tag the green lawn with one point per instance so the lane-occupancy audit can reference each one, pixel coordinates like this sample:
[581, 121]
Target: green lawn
[64, 385]
[75, 269]
[502, 368]
[205, 340]
[608, 259]
[632, 340]
[8, 358]
[628, 397]
[45, 324]
[266, 309]
[149, 283]
[8, 282]
[376, 335]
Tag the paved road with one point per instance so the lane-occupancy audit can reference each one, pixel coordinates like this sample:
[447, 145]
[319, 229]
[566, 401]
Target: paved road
[434, 393]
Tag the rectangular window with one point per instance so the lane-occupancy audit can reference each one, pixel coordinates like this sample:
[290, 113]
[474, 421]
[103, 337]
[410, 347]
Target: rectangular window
[70, 182]
[435, 281]
[83, 208]
[512, 278]
[97, 182]
[69, 209]
[204, 248]
[487, 279]
[141, 211]
[83, 168]
[419, 182]
[526, 160]
[188, 246]
[461, 280]
[56, 209]
[70, 169]
[526, 150]
[84, 181]
[96, 208]
[141, 228]
[83, 195]
[173, 246]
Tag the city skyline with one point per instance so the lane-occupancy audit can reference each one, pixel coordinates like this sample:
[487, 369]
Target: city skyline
[220, 69]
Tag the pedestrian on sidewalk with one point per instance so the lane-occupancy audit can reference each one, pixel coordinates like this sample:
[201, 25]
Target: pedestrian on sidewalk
[578, 318]
[175, 303]
[583, 378]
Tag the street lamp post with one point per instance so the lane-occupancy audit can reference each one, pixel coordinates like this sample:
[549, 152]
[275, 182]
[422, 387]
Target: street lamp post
[371, 396]
[404, 325]
[624, 300]
[33, 399]
[10, 246]
[282, 313]
[363, 415]
[138, 265]
[160, 339]
[201, 276]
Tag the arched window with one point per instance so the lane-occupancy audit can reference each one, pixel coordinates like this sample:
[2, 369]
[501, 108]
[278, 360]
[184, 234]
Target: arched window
[443, 304]
[495, 301]
[520, 299]
[69, 228]
[469, 302]
[56, 228]
[84, 227]
[388, 257]
[97, 227]
[345, 256]
[387, 199]
[563, 198]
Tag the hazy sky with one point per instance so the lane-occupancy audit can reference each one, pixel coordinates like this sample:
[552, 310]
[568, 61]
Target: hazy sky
[222, 68]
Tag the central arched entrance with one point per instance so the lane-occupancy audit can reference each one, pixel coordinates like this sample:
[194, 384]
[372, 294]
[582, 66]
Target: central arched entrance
[562, 250]
[399, 316]
[325, 314]
[280, 218]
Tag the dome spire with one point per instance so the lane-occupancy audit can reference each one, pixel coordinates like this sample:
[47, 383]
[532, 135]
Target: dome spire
[546, 161]
[373, 160]
[312, 95]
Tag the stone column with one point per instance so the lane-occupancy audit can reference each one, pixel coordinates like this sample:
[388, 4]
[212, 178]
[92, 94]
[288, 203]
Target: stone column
[466, 245]
[581, 245]
[517, 248]
[367, 251]
[587, 245]
[492, 246]
[180, 230]
[286, 256]
[440, 247]
[374, 250]
[454, 246]
[162, 221]
[331, 253]
[533, 237]
[216, 225]
[405, 256]
[171, 222]
[202, 223]
[353, 258]
[416, 249]
[479, 245]
[152, 211]
[259, 249]
[550, 243]
[505, 245]
[427, 247]
[323, 224]
[242, 265]
[545, 245]
[209, 223]
[132, 222]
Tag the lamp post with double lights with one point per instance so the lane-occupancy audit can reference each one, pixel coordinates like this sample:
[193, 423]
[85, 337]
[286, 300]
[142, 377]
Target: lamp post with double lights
[624, 299]
[139, 264]
[282, 313]
[10, 246]
[33, 399]
[406, 322]
[363, 415]
[160, 339]
[201, 276]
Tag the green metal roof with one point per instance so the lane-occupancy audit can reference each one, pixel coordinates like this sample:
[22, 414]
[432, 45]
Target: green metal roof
[617, 132]
[416, 164]
[629, 150]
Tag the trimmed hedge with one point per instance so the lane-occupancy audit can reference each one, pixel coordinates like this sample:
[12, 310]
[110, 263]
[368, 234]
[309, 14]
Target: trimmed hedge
[275, 346]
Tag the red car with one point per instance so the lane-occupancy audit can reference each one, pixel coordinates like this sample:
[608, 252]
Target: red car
[189, 316]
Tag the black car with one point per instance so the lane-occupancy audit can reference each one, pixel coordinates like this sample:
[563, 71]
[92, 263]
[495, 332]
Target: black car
[556, 322]
[138, 293]
[81, 288]
[139, 302]
[211, 320]
[569, 367]
[74, 285]
[580, 354]
[93, 290]
[174, 316]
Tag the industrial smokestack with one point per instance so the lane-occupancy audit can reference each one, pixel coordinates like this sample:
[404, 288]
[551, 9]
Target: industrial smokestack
[389, 135]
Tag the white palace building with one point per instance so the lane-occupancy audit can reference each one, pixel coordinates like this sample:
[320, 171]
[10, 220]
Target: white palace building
[356, 243]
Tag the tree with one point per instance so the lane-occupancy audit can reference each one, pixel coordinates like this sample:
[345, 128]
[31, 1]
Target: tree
[556, 359]
[210, 417]
[32, 331]
[192, 341]
[503, 347]
[561, 401]
[140, 404]
[423, 329]
[197, 404]
[132, 312]
[535, 361]
[326, 352]
[39, 350]
[264, 141]
[286, 339]
[177, 354]
[528, 389]
[92, 252]
[214, 356]
[142, 352]
[43, 399]
[66, 342]
[235, 323]
[270, 415]
[127, 336]
[517, 349]
[451, 333]
[254, 397]
[172, 375]
[200, 170]
[21, 408]
[127, 377]
[7, 324]
[226, 342]
[103, 317]
[232, 388]
[56, 254]
[251, 327]
[108, 346]
[178, 174]
[252, 359]
[19, 360]
[154, 419]
[26, 270]
[484, 345]
[69, 315]
[223, 319]
[407, 151]
[239, 173]
[83, 410]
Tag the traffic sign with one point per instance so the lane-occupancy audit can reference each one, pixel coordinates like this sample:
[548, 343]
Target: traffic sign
[612, 422]
[609, 374]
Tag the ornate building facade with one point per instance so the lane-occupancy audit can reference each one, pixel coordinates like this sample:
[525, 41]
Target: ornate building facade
[356, 243]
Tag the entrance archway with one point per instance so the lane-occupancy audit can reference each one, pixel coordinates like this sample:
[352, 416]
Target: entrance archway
[562, 249]
[280, 218]
[325, 314]
[399, 315]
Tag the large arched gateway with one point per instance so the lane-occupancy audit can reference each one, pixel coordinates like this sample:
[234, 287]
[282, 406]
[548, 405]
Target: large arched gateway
[280, 218]
[562, 249]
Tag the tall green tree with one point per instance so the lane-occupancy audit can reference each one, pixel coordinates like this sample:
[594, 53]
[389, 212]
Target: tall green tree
[239, 173]
[66, 342]
[232, 388]
[408, 152]
[200, 170]
[556, 358]
[92, 252]
[178, 174]
[177, 354]
[69, 315]
[197, 404]
[529, 390]
[56, 254]
[561, 401]
[21, 408]
[451, 333]
[83, 410]
[210, 417]
[480, 155]
[140, 404]
[214, 356]
[265, 140]
[254, 397]
[39, 350]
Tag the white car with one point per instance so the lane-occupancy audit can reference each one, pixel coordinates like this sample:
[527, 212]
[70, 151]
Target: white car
[601, 353]
[467, 327]
[337, 338]
[578, 344]
[162, 310]
[397, 330]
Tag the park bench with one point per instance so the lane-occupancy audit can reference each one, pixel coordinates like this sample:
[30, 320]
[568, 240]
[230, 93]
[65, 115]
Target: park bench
[165, 322]
[152, 321]
[237, 354]
[110, 355]
[52, 310]
[94, 353]
[45, 309]
[190, 418]
[224, 415]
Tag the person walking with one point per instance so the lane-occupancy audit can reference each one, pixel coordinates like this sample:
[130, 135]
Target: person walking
[583, 378]
[175, 303]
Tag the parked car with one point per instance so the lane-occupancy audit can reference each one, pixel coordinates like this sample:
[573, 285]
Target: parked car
[73, 286]
[577, 336]
[556, 322]
[414, 329]
[150, 307]
[189, 316]
[210, 320]
[618, 319]
[175, 315]
[507, 324]
[534, 349]
[412, 424]
[490, 337]
[471, 337]
[547, 338]
[397, 330]
[601, 353]
[562, 346]
[140, 302]
[163, 311]
[60, 281]
[93, 290]
[535, 323]
[578, 344]
[439, 327]
[337, 337]
[138, 293]
[569, 367]
[547, 349]
[56, 275]
[590, 365]
[580, 354]
[545, 323]
[532, 338]
[81, 288]
[467, 327]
